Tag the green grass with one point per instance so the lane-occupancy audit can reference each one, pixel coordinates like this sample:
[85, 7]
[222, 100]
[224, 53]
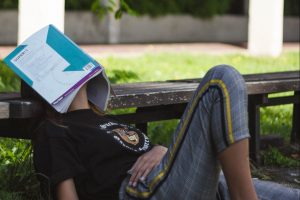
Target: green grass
[17, 177]
[9, 82]
[165, 66]
[277, 120]
[273, 157]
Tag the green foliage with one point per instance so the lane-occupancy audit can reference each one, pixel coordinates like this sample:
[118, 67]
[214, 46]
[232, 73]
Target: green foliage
[277, 120]
[155, 7]
[122, 76]
[203, 8]
[273, 157]
[292, 7]
[121, 111]
[9, 196]
[78, 4]
[69, 4]
[198, 8]
[18, 180]
[162, 131]
[102, 9]
[8, 4]
[124, 7]
[8, 80]
[257, 172]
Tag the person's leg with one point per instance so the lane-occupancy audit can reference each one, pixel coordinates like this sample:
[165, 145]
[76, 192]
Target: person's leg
[215, 118]
[265, 190]
[236, 167]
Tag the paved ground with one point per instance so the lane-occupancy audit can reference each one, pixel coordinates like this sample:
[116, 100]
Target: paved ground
[104, 50]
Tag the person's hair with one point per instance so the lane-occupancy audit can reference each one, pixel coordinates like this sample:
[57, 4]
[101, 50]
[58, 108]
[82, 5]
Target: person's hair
[96, 109]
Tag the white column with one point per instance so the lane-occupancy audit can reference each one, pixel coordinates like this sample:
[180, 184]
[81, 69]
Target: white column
[265, 27]
[35, 14]
[113, 24]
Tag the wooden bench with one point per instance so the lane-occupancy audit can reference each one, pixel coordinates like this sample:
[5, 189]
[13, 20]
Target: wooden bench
[157, 101]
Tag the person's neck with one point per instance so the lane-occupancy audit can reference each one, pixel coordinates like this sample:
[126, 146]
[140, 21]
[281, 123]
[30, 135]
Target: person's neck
[80, 101]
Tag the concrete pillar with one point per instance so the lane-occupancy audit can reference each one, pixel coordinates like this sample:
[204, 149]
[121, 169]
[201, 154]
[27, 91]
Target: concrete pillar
[265, 27]
[35, 14]
[113, 24]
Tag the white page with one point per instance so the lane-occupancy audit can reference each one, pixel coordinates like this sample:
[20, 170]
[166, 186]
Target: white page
[98, 91]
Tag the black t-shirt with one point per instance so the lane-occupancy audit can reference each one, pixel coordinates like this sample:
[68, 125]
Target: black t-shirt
[95, 150]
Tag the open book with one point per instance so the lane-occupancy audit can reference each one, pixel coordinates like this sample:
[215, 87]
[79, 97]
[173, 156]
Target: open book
[55, 67]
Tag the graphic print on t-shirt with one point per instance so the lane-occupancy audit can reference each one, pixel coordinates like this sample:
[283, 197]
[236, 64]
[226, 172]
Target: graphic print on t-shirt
[130, 137]
[127, 136]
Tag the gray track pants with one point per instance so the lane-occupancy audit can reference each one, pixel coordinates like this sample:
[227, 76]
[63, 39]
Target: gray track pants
[215, 118]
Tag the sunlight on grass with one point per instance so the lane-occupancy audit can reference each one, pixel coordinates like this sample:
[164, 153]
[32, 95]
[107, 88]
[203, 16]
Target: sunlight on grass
[277, 120]
[165, 66]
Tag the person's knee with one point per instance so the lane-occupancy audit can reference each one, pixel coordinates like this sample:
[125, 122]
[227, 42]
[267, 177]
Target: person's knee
[230, 76]
[225, 71]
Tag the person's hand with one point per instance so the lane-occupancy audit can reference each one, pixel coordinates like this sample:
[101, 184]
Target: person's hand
[145, 163]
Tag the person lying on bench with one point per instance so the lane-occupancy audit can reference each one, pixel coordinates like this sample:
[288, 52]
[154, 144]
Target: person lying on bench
[84, 154]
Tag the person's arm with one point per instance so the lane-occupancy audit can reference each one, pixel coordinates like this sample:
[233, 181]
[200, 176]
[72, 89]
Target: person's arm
[66, 190]
[235, 165]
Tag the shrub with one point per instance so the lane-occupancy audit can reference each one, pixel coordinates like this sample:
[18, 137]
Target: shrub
[122, 76]
[273, 157]
[161, 132]
[8, 80]
[277, 120]
[8, 4]
[292, 7]
[18, 180]
[198, 8]
[78, 4]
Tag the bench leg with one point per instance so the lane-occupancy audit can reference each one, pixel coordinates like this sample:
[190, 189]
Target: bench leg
[295, 135]
[142, 126]
[157, 113]
[254, 127]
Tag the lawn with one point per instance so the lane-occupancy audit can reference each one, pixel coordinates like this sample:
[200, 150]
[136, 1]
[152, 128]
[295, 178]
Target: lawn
[164, 66]
[149, 67]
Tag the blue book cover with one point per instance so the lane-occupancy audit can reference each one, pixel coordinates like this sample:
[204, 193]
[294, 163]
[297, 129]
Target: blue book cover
[55, 67]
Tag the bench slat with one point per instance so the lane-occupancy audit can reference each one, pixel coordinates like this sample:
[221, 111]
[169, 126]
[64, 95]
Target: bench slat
[257, 77]
[149, 94]
[4, 110]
